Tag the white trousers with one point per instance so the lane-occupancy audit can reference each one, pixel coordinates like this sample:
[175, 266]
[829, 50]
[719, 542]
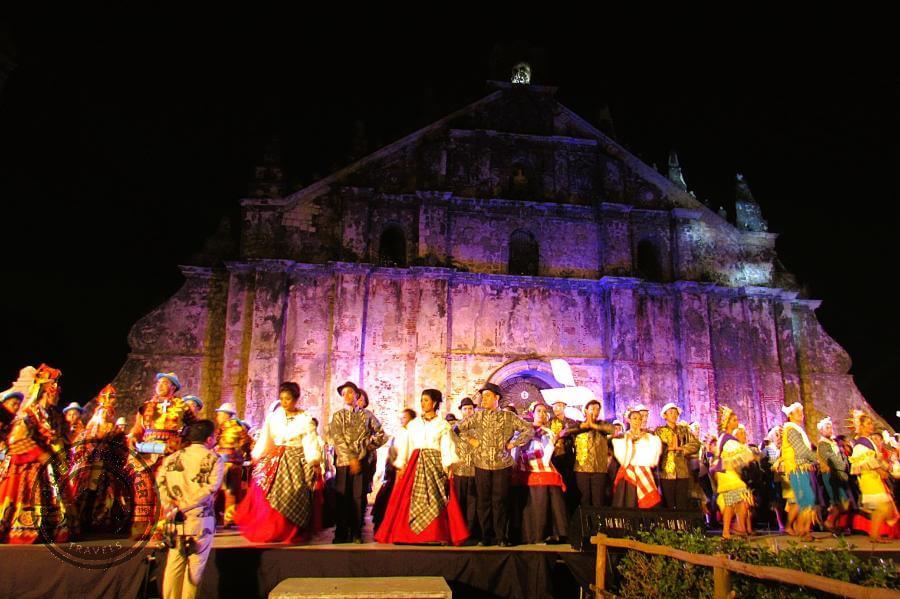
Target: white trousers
[184, 572]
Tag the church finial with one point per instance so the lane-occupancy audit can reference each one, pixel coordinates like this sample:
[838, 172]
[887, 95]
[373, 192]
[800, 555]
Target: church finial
[675, 174]
[748, 214]
[521, 74]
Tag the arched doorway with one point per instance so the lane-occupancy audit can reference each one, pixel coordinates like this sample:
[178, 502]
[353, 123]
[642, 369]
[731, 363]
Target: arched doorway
[521, 382]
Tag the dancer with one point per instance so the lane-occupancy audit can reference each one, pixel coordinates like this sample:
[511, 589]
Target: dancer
[73, 426]
[233, 446]
[591, 454]
[733, 495]
[637, 453]
[156, 433]
[493, 433]
[423, 507]
[353, 432]
[799, 462]
[389, 477]
[101, 488]
[35, 499]
[872, 472]
[278, 505]
[544, 513]
[835, 477]
[679, 446]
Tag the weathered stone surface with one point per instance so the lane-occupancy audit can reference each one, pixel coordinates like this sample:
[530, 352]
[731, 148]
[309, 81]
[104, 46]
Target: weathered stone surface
[649, 295]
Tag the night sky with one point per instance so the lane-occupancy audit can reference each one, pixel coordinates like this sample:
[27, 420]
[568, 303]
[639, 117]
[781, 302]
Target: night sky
[121, 151]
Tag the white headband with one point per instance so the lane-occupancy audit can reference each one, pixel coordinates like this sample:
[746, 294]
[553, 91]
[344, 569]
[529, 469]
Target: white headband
[794, 406]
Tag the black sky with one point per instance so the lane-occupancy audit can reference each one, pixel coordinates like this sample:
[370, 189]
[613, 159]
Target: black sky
[121, 149]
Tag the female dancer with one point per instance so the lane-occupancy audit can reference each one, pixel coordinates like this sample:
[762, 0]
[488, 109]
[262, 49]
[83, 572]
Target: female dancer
[872, 472]
[422, 509]
[734, 498]
[278, 505]
[799, 462]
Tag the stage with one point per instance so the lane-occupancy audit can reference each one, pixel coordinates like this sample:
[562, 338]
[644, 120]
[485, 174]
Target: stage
[237, 568]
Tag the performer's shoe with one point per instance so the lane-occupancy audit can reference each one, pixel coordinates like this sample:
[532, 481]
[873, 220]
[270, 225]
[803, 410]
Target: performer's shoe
[356, 540]
[485, 543]
[504, 543]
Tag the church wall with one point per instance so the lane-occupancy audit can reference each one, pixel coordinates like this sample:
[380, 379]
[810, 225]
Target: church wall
[398, 331]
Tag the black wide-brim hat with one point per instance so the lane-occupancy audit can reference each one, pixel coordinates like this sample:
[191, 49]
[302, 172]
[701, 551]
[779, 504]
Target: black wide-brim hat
[495, 389]
[353, 386]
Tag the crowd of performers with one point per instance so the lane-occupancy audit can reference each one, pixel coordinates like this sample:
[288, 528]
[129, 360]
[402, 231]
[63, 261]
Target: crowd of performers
[487, 475]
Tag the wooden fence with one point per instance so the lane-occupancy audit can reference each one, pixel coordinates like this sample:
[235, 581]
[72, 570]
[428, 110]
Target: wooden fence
[723, 567]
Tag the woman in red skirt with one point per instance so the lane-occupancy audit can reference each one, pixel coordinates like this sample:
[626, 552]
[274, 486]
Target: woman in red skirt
[423, 506]
[279, 504]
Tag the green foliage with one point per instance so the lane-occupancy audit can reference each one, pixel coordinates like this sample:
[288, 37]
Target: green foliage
[647, 577]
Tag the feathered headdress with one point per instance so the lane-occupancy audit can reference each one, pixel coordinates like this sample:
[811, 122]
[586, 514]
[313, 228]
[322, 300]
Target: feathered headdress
[725, 414]
[107, 396]
[42, 376]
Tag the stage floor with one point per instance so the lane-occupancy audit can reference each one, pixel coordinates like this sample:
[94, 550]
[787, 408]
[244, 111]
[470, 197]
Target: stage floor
[238, 567]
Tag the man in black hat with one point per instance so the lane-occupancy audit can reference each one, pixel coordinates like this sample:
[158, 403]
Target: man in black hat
[493, 433]
[353, 431]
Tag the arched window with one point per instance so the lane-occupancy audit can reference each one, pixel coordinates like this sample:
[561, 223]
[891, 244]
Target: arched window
[648, 262]
[392, 247]
[523, 254]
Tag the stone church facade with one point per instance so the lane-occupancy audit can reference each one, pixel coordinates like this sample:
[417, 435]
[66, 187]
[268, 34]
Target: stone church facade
[477, 249]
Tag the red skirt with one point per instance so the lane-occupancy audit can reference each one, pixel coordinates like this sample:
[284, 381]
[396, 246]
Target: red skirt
[261, 523]
[861, 523]
[448, 527]
[35, 505]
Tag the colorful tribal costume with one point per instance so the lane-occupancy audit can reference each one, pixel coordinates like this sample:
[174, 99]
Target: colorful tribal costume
[35, 496]
[156, 433]
[233, 446]
[99, 457]
[872, 472]
[799, 462]
[733, 495]
[835, 477]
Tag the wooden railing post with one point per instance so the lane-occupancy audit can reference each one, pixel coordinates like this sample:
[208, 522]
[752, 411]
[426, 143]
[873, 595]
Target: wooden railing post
[600, 573]
[721, 580]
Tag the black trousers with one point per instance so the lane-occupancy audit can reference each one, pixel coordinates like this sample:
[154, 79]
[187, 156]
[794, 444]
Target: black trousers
[676, 492]
[493, 500]
[544, 514]
[565, 465]
[467, 496]
[350, 496]
[592, 486]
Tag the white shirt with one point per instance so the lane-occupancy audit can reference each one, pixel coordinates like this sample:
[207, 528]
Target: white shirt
[643, 452]
[425, 434]
[297, 430]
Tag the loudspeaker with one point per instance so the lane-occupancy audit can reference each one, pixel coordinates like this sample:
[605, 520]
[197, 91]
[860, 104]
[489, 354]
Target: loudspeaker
[625, 522]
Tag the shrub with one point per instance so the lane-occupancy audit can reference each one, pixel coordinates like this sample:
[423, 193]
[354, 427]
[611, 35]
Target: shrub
[647, 576]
